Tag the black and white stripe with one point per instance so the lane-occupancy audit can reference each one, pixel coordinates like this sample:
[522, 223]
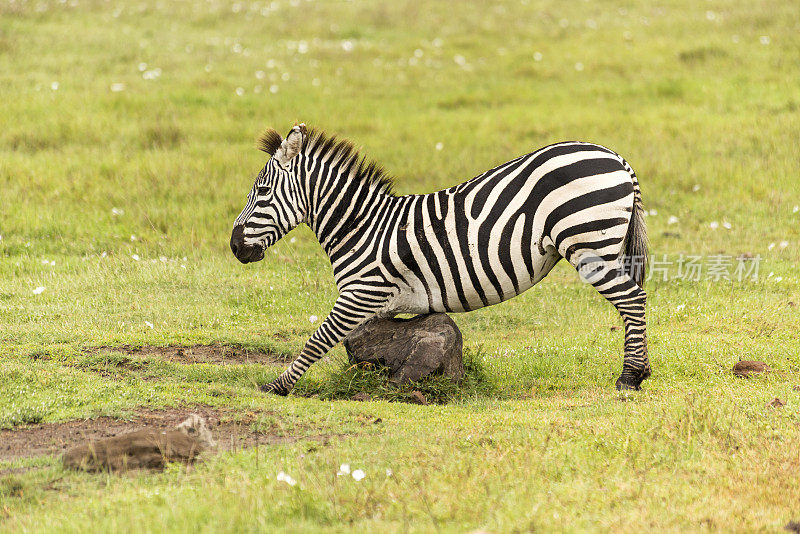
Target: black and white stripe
[463, 248]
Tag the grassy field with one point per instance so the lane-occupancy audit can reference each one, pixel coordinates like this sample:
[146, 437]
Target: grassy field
[126, 150]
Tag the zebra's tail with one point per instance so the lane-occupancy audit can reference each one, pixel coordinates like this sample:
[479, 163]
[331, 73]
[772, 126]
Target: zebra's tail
[636, 243]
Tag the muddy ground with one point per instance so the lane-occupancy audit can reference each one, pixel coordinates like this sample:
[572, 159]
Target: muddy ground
[55, 438]
[216, 354]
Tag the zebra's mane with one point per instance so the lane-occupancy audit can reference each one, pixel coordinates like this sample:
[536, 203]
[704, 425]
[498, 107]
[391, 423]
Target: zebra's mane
[350, 162]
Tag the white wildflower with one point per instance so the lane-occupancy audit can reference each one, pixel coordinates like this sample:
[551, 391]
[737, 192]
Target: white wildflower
[783, 244]
[260, 74]
[778, 278]
[389, 472]
[579, 66]
[696, 188]
[347, 46]
[727, 225]
[148, 324]
[771, 246]
[142, 67]
[273, 89]
[240, 91]
[135, 257]
[714, 225]
[313, 319]
[283, 477]
[117, 211]
[117, 87]
[133, 237]
[344, 469]
[537, 56]
[54, 86]
[653, 213]
[104, 254]
[795, 209]
[764, 39]
[38, 290]
[672, 220]
[358, 474]
[439, 145]
[679, 307]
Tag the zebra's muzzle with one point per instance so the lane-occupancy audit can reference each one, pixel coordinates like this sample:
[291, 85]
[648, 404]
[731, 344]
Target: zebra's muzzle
[243, 252]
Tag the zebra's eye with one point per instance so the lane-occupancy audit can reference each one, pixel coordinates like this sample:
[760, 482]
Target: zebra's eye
[264, 190]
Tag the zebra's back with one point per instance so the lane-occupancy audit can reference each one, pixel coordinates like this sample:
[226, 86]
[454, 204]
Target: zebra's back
[496, 235]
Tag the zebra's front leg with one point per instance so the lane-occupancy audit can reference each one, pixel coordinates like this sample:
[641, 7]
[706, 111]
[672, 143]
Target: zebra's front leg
[349, 311]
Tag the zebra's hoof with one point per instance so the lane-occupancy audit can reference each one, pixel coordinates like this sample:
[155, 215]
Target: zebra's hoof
[628, 385]
[631, 379]
[275, 389]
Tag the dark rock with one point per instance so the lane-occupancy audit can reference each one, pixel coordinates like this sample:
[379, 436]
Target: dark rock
[417, 397]
[792, 526]
[411, 348]
[362, 396]
[745, 369]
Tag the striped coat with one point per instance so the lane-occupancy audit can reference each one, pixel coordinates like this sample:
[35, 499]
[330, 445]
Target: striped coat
[473, 245]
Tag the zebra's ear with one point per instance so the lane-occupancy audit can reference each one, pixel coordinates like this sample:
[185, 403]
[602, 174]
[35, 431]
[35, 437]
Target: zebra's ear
[291, 146]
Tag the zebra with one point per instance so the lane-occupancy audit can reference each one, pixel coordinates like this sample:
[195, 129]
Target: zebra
[459, 249]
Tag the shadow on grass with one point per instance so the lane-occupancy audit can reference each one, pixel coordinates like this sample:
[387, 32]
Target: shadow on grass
[349, 381]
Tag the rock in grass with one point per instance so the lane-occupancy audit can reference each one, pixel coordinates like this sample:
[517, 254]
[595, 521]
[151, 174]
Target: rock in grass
[410, 348]
[776, 403]
[143, 449]
[745, 369]
[418, 397]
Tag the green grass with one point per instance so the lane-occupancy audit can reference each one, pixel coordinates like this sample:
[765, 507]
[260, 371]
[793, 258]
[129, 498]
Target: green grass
[701, 99]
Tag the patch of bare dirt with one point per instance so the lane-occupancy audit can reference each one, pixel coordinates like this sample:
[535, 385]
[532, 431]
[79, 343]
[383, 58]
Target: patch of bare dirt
[55, 438]
[216, 354]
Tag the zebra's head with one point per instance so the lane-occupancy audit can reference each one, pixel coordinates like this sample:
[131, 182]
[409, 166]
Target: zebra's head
[274, 204]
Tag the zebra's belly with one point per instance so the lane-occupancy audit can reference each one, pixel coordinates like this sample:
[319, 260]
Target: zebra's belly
[457, 291]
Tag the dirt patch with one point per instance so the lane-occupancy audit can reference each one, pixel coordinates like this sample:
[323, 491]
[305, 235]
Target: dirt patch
[55, 438]
[216, 354]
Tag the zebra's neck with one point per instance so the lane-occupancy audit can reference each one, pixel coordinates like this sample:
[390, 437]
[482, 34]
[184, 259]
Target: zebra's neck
[342, 207]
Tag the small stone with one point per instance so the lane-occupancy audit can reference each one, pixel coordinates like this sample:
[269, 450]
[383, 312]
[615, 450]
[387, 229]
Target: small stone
[776, 403]
[614, 328]
[417, 397]
[362, 396]
[747, 368]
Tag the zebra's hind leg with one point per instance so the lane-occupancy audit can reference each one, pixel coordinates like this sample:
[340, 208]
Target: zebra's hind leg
[630, 300]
